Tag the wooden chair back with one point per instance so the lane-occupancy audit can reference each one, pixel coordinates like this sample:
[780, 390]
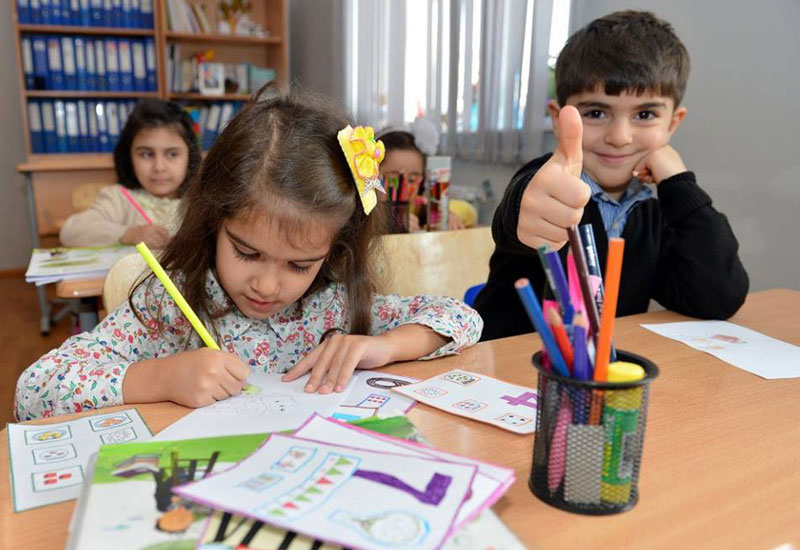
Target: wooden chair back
[442, 263]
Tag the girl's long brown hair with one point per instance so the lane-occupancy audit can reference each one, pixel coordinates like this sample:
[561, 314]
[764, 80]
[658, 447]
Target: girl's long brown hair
[278, 157]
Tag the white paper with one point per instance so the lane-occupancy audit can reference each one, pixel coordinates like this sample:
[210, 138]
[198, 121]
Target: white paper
[478, 397]
[48, 461]
[56, 264]
[739, 346]
[371, 395]
[490, 481]
[487, 532]
[273, 407]
[330, 492]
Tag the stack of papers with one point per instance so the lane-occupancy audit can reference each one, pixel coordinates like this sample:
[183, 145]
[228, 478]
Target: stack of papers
[49, 265]
[329, 485]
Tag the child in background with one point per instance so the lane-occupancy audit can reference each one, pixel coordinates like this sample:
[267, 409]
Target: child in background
[155, 158]
[276, 260]
[404, 155]
[619, 84]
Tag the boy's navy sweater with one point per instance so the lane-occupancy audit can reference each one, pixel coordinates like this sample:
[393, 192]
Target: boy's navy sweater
[679, 251]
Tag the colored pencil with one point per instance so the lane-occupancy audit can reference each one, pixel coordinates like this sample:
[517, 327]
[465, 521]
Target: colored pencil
[561, 288]
[136, 205]
[583, 277]
[560, 333]
[531, 304]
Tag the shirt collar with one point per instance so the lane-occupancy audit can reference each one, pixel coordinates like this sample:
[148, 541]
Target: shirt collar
[283, 323]
[635, 190]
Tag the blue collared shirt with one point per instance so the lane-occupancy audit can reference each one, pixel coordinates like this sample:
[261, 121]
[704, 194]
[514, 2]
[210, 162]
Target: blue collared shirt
[615, 213]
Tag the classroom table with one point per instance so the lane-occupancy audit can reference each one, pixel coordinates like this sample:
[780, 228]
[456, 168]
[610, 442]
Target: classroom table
[721, 452]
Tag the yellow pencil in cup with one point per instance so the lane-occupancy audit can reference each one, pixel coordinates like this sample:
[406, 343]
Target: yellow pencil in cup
[183, 305]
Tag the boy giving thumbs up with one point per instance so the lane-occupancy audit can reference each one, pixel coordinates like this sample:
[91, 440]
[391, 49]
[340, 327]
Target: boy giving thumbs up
[619, 84]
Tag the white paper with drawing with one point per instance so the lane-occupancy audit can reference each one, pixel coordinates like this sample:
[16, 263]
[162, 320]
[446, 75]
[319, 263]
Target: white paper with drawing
[48, 461]
[478, 397]
[271, 406]
[739, 346]
[371, 395]
[488, 486]
[361, 499]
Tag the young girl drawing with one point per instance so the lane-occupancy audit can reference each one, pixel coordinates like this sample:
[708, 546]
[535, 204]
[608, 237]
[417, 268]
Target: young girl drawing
[274, 255]
[155, 158]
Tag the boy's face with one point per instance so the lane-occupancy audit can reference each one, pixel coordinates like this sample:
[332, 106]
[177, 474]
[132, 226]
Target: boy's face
[619, 131]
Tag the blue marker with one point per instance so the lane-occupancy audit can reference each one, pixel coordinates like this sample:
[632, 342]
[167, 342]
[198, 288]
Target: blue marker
[561, 288]
[531, 304]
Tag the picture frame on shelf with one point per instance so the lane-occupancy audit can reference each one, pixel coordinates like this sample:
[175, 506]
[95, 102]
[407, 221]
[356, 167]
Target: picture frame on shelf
[211, 78]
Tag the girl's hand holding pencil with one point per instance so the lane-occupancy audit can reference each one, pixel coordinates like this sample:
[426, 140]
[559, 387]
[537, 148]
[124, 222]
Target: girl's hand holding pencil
[154, 236]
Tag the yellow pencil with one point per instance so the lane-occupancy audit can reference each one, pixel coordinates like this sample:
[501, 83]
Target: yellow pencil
[176, 295]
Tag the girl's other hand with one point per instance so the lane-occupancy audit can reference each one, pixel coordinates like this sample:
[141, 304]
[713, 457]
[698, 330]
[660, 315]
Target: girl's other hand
[154, 236]
[454, 221]
[332, 363]
[413, 223]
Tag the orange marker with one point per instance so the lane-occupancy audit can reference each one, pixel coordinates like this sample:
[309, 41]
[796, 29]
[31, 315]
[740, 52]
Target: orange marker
[611, 291]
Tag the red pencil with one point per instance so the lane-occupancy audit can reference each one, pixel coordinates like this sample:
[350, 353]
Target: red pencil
[136, 205]
[560, 334]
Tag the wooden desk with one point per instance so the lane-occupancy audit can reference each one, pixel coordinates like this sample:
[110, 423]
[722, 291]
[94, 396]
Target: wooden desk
[720, 465]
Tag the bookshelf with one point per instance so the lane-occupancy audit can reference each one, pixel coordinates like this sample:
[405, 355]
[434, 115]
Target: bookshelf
[270, 50]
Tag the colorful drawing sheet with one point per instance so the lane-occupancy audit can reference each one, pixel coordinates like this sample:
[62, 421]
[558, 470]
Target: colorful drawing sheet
[271, 406]
[371, 395]
[343, 495]
[48, 461]
[128, 503]
[228, 532]
[48, 265]
[739, 346]
[490, 481]
[478, 397]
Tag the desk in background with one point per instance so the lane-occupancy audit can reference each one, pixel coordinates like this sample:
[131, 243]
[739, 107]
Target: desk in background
[720, 464]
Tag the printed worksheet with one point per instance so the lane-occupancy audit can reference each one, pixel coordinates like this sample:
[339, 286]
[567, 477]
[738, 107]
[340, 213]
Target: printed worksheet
[269, 405]
[478, 397]
[48, 461]
[371, 395]
[342, 495]
[490, 481]
[739, 346]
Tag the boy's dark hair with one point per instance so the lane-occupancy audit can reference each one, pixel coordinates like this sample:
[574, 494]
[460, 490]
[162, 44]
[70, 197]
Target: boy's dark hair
[626, 51]
[148, 114]
[280, 158]
[399, 139]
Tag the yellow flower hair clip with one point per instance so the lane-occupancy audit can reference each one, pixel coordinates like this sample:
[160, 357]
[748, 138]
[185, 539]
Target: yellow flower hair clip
[364, 155]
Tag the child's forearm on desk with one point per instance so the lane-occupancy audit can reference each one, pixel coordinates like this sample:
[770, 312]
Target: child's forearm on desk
[412, 341]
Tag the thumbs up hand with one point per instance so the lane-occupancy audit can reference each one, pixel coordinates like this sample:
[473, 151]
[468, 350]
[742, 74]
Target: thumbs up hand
[556, 195]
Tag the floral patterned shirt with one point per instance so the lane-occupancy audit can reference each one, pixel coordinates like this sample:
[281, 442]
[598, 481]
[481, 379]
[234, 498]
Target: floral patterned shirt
[86, 372]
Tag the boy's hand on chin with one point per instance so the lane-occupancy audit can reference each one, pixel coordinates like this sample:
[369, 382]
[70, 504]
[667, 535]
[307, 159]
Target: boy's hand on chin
[556, 195]
[658, 165]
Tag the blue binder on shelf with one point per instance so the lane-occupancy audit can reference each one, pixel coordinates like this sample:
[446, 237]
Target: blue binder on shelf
[102, 127]
[116, 13]
[112, 121]
[49, 127]
[146, 7]
[81, 75]
[23, 11]
[61, 126]
[122, 113]
[27, 61]
[68, 63]
[91, 67]
[211, 128]
[37, 130]
[125, 65]
[100, 64]
[85, 14]
[46, 12]
[55, 72]
[40, 67]
[91, 114]
[150, 62]
[136, 14]
[73, 127]
[139, 66]
[112, 64]
[35, 12]
[83, 126]
[74, 12]
[96, 13]
[108, 13]
[126, 20]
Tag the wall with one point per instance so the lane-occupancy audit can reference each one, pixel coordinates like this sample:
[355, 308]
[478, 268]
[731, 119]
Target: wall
[15, 243]
[740, 133]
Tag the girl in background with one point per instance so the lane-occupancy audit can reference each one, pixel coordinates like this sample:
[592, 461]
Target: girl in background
[155, 158]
